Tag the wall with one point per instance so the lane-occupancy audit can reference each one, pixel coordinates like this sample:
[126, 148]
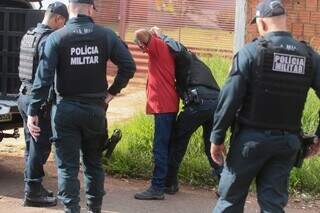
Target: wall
[303, 20]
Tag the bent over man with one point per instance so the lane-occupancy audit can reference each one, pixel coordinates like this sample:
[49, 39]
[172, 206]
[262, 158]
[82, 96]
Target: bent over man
[199, 92]
[37, 150]
[79, 52]
[162, 102]
[263, 100]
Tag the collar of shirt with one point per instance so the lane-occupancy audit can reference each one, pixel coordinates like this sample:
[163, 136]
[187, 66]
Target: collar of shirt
[80, 19]
[278, 33]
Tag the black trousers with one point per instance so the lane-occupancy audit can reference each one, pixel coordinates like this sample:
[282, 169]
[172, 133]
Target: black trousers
[189, 120]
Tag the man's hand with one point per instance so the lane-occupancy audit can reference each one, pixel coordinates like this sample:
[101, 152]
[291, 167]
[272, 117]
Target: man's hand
[217, 153]
[108, 98]
[33, 126]
[314, 148]
[156, 31]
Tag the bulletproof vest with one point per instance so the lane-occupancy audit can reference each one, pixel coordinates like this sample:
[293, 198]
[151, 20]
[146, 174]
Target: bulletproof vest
[200, 74]
[278, 88]
[82, 61]
[192, 72]
[29, 56]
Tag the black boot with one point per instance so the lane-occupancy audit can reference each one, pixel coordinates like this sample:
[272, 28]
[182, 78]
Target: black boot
[39, 200]
[94, 209]
[171, 186]
[46, 192]
[150, 194]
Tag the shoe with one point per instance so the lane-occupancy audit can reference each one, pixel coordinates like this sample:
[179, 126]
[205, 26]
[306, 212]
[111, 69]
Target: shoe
[46, 192]
[39, 201]
[94, 210]
[172, 189]
[75, 209]
[150, 194]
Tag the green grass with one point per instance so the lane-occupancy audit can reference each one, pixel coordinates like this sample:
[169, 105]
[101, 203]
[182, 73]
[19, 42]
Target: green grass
[133, 156]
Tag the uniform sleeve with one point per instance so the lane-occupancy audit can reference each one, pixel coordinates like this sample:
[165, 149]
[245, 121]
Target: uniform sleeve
[121, 57]
[175, 46]
[231, 96]
[41, 45]
[316, 85]
[44, 76]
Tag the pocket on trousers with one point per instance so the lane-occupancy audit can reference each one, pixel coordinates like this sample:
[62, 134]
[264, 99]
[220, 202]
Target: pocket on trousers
[294, 142]
[250, 149]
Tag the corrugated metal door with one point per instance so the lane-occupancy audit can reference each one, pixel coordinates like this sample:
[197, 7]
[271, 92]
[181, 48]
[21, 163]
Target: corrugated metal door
[201, 24]
[205, 26]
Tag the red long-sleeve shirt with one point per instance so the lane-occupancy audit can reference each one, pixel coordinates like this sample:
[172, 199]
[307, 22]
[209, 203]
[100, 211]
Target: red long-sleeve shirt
[161, 92]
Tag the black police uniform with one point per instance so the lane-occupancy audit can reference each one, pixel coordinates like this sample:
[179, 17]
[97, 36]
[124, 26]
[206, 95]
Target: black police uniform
[79, 52]
[37, 151]
[199, 91]
[265, 93]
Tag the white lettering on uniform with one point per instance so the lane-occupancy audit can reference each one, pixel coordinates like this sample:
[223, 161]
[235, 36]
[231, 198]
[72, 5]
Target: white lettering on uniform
[289, 63]
[84, 55]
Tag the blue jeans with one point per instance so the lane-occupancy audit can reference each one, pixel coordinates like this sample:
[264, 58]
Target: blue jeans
[266, 155]
[163, 125]
[36, 151]
[79, 130]
[189, 120]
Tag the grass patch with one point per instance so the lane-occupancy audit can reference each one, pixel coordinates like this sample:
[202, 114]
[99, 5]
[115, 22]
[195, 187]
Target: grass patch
[133, 156]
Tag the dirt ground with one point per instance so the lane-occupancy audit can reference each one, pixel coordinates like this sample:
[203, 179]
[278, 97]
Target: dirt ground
[119, 198]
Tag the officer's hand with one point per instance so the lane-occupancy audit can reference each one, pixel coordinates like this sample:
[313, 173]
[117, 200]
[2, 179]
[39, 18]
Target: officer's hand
[33, 126]
[314, 148]
[108, 98]
[217, 153]
[156, 31]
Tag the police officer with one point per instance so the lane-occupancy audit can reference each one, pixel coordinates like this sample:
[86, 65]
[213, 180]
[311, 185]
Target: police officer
[263, 101]
[37, 151]
[199, 92]
[75, 59]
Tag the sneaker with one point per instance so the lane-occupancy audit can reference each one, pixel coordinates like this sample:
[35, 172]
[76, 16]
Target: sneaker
[150, 194]
[39, 201]
[172, 189]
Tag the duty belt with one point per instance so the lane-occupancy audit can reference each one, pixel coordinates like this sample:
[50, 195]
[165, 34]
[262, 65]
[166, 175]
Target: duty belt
[25, 89]
[195, 96]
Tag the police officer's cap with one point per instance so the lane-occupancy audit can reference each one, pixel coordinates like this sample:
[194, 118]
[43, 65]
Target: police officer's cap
[58, 8]
[269, 8]
[83, 2]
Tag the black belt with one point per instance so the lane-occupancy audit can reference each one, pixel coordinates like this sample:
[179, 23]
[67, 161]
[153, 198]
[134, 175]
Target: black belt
[83, 100]
[275, 132]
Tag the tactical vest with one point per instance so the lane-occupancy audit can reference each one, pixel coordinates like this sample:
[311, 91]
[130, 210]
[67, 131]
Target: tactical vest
[192, 72]
[29, 56]
[200, 74]
[278, 89]
[82, 63]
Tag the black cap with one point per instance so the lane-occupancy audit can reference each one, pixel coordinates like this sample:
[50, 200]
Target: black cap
[84, 2]
[59, 8]
[269, 8]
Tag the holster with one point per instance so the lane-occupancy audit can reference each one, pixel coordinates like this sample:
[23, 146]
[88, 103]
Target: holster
[306, 142]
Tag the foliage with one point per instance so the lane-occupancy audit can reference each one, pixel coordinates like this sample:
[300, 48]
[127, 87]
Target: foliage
[133, 156]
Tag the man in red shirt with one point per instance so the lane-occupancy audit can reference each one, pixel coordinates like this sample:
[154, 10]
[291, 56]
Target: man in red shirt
[163, 103]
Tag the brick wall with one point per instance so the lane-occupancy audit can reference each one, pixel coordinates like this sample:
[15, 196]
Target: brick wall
[303, 20]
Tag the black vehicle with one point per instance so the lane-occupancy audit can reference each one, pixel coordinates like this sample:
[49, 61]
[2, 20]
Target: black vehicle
[16, 16]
